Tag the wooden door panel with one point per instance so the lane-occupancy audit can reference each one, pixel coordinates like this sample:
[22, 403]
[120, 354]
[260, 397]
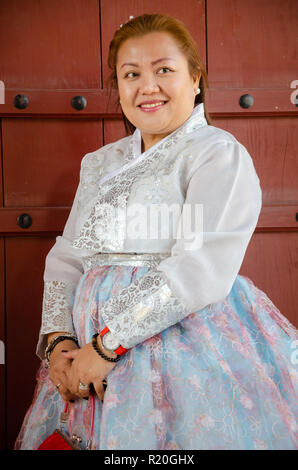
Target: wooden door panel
[42, 165]
[2, 345]
[252, 44]
[113, 130]
[25, 262]
[52, 44]
[271, 262]
[273, 146]
[45, 47]
[252, 50]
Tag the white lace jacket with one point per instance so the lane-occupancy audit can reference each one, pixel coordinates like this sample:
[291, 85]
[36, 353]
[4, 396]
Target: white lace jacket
[196, 166]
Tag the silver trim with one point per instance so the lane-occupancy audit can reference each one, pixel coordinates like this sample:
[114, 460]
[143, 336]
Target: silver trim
[125, 259]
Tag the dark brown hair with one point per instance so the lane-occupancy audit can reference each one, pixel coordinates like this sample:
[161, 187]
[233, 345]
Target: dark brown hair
[145, 24]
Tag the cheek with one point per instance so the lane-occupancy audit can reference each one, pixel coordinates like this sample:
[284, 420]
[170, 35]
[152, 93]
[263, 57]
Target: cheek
[123, 89]
[177, 88]
[185, 94]
[125, 93]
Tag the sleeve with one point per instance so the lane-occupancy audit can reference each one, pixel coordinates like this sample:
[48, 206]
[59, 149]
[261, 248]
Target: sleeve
[202, 267]
[63, 269]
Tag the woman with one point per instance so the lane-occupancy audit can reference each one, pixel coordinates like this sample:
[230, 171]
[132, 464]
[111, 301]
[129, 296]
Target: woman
[203, 356]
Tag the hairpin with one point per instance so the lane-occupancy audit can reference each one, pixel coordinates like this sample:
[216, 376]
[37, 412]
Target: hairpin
[131, 16]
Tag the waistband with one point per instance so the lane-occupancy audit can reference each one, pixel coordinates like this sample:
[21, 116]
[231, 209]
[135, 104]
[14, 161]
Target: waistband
[125, 259]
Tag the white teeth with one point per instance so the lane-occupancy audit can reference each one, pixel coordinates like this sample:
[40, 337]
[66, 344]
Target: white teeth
[151, 105]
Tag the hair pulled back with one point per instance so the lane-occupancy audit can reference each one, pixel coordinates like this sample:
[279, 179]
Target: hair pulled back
[148, 23]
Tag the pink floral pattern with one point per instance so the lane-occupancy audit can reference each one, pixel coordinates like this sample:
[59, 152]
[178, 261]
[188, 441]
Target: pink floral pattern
[222, 378]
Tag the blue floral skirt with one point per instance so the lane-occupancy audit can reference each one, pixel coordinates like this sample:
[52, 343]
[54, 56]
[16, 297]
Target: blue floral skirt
[225, 377]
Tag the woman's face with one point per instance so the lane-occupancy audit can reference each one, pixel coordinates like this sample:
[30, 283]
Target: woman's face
[152, 68]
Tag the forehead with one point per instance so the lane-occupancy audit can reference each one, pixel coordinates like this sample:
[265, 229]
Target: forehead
[149, 47]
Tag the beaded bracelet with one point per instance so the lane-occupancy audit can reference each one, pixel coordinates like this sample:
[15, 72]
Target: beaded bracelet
[94, 344]
[54, 342]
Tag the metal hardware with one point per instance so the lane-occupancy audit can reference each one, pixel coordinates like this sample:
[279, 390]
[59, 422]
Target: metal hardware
[246, 101]
[21, 101]
[76, 439]
[24, 220]
[79, 102]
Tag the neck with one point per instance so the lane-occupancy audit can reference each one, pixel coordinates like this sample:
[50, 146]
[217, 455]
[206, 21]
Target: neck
[148, 140]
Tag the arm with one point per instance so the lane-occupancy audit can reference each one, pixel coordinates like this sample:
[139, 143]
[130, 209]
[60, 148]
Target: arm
[63, 269]
[195, 275]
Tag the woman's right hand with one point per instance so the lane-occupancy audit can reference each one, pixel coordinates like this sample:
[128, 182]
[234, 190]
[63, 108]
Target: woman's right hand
[59, 368]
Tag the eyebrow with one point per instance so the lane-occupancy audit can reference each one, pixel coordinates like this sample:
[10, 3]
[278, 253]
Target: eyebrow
[152, 63]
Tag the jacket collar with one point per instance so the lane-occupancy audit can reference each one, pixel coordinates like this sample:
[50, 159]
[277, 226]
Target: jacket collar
[196, 120]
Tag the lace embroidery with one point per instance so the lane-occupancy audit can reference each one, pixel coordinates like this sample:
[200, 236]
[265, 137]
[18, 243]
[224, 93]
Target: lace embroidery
[143, 309]
[151, 260]
[130, 155]
[91, 172]
[108, 213]
[58, 298]
[105, 228]
[95, 166]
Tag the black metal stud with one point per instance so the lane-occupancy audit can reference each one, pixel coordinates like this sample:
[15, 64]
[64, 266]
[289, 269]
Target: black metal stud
[24, 220]
[21, 101]
[79, 102]
[246, 101]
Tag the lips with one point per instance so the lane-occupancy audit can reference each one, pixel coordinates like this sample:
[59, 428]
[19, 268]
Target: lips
[151, 104]
[152, 108]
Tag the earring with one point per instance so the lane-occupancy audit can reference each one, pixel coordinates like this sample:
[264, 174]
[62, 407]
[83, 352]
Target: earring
[198, 91]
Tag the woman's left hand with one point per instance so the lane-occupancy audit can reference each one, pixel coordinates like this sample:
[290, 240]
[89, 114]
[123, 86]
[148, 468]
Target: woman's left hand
[88, 367]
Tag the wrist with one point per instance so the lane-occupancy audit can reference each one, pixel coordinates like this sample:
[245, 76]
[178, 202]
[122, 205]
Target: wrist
[106, 352]
[110, 342]
[66, 344]
[55, 341]
[55, 334]
[101, 351]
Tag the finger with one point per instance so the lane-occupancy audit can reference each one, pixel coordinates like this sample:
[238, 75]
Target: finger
[72, 385]
[98, 387]
[62, 378]
[65, 393]
[70, 354]
[62, 387]
[65, 382]
[83, 393]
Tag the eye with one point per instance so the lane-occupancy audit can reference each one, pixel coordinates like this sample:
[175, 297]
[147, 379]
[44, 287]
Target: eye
[162, 68]
[128, 74]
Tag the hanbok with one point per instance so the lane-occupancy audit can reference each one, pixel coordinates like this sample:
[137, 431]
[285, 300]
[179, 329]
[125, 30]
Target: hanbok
[152, 248]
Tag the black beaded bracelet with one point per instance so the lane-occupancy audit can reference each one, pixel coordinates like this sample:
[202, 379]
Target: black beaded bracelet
[54, 343]
[94, 344]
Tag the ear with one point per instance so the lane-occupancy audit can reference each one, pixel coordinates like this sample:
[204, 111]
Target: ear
[196, 80]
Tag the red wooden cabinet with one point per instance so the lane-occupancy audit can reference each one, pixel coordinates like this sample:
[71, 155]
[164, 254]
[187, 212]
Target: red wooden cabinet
[52, 52]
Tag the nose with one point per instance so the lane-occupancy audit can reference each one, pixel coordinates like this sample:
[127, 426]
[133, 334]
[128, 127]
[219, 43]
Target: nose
[148, 84]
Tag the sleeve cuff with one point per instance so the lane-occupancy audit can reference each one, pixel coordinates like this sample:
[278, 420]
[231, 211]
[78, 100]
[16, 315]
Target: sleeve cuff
[143, 309]
[58, 300]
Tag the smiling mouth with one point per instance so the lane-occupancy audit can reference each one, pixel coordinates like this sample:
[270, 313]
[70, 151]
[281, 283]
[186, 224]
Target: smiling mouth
[152, 106]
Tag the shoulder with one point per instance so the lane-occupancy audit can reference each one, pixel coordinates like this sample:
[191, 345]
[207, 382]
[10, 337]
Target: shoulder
[215, 144]
[97, 157]
[95, 164]
[219, 155]
[211, 137]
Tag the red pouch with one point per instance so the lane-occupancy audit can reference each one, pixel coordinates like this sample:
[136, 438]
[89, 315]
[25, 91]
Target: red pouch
[60, 441]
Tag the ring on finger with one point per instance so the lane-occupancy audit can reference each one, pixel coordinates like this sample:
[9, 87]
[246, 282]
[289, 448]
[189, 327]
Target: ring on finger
[83, 386]
[57, 386]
